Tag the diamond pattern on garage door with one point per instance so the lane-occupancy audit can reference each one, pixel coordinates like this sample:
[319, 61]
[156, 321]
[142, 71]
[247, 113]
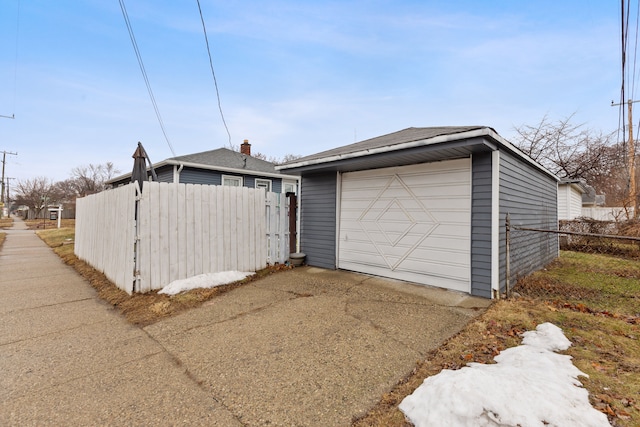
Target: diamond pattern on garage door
[388, 222]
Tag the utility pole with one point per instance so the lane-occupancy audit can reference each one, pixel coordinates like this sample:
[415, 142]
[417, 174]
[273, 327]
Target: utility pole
[633, 193]
[8, 199]
[4, 161]
[4, 156]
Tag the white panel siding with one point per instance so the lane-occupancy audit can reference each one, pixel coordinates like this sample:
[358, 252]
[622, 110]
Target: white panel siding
[410, 223]
[569, 202]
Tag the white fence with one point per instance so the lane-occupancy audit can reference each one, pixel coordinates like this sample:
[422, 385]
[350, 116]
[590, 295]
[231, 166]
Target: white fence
[105, 233]
[608, 214]
[182, 230]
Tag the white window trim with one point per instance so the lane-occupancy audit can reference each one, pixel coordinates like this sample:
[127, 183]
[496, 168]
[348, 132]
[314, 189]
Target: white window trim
[284, 186]
[263, 181]
[232, 178]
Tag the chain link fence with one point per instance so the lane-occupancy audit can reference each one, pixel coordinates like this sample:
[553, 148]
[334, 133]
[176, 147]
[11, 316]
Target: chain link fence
[620, 239]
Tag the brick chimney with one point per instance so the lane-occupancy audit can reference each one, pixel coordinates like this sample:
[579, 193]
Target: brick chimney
[245, 147]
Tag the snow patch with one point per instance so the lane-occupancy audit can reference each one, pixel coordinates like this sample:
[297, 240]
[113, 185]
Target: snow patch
[529, 385]
[208, 280]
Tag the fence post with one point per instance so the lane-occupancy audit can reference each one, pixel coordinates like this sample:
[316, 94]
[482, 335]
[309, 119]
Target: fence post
[508, 255]
[293, 214]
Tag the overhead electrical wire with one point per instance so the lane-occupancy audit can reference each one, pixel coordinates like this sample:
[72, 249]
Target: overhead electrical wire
[635, 49]
[215, 81]
[15, 67]
[635, 56]
[623, 45]
[144, 74]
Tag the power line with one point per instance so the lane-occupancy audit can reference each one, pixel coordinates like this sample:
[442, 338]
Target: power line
[635, 57]
[4, 161]
[15, 67]
[215, 82]
[144, 74]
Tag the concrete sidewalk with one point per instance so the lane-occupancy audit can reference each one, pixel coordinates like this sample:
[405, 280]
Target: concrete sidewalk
[68, 359]
[306, 347]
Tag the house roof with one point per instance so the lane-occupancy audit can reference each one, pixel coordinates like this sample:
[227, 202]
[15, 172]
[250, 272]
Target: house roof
[578, 184]
[221, 159]
[409, 146]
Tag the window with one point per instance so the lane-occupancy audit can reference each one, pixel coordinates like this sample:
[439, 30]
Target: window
[263, 183]
[289, 187]
[232, 181]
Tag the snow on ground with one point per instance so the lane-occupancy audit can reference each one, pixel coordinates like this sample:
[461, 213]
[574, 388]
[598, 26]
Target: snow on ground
[529, 385]
[208, 280]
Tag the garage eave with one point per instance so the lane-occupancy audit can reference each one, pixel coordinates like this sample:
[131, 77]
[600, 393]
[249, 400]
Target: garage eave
[423, 151]
[436, 148]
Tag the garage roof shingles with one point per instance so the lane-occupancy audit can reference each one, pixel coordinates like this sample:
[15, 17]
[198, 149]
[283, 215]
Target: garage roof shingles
[403, 136]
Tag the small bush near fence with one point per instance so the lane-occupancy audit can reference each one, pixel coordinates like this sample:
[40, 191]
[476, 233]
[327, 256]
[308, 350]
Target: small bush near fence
[596, 237]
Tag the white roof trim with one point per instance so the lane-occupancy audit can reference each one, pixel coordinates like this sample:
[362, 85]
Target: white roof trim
[422, 142]
[213, 168]
[226, 169]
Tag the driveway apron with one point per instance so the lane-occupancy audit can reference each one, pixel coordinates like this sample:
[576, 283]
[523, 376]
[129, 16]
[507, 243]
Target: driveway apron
[311, 347]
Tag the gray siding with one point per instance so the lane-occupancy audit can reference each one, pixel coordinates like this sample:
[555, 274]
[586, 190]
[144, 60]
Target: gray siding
[481, 225]
[200, 176]
[318, 219]
[165, 174]
[530, 198]
[209, 177]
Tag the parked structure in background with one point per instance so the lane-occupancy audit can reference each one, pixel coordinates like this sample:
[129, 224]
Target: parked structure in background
[570, 194]
[221, 167]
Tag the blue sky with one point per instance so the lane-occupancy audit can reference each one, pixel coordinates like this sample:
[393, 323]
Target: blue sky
[295, 77]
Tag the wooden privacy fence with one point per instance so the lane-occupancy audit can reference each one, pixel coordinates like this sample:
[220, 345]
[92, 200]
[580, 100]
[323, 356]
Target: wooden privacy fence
[181, 230]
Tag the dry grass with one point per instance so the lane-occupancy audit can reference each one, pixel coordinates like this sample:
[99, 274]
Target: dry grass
[606, 343]
[6, 222]
[139, 309]
[48, 224]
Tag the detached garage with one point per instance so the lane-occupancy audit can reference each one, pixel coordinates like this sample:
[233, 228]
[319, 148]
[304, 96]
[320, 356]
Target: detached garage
[428, 206]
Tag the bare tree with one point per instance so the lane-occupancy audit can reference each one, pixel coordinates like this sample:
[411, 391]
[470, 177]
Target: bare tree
[90, 179]
[570, 150]
[565, 148]
[37, 194]
[276, 160]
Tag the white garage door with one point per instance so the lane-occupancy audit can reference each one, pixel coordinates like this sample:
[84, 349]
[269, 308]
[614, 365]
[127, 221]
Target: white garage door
[410, 223]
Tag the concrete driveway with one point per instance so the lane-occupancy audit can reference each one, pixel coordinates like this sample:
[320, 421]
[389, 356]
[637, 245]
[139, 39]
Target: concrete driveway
[303, 347]
[310, 346]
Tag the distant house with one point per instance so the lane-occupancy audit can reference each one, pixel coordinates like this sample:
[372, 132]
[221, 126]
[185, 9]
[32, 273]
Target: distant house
[591, 200]
[221, 167]
[570, 195]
